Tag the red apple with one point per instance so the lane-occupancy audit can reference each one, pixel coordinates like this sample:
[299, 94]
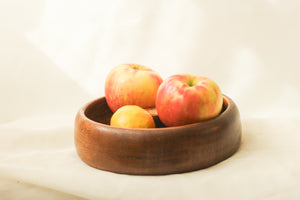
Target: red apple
[131, 84]
[184, 99]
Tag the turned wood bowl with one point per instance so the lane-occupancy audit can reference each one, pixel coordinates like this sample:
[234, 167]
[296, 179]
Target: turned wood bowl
[155, 151]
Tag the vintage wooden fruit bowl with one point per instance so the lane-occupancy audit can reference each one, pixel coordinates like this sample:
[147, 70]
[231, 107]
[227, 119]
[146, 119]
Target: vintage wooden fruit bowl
[162, 150]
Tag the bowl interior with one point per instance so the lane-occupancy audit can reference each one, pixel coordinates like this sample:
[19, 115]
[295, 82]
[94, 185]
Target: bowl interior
[99, 111]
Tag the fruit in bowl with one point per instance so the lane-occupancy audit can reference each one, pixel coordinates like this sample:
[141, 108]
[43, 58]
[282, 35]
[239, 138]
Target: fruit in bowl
[131, 84]
[132, 116]
[184, 99]
[139, 148]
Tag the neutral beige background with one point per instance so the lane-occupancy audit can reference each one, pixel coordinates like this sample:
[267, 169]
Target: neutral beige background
[55, 55]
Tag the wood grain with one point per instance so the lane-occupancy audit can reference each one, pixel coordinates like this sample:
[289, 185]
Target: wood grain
[162, 150]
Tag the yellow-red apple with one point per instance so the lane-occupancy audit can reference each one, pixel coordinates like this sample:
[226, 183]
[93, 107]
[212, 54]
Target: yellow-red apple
[184, 99]
[131, 84]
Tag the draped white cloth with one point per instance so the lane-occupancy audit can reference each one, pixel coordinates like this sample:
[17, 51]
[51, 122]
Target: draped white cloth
[55, 55]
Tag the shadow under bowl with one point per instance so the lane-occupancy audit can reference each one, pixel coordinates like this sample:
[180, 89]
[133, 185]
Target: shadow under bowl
[155, 151]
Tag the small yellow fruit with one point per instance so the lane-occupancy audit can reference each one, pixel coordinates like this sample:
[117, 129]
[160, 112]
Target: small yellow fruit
[132, 116]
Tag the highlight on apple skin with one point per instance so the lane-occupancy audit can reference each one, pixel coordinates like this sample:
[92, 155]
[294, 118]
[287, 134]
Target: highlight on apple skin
[131, 84]
[184, 99]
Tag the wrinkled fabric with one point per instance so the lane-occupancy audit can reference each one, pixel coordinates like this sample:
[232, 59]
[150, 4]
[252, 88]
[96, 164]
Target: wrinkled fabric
[55, 55]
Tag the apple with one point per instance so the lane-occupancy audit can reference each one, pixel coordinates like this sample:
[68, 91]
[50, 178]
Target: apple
[131, 84]
[184, 99]
[132, 116]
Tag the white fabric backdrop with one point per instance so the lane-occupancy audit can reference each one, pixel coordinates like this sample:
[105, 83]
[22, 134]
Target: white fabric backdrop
[55, 55]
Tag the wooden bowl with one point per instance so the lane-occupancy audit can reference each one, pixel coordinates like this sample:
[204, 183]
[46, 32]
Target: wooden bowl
[162, 150]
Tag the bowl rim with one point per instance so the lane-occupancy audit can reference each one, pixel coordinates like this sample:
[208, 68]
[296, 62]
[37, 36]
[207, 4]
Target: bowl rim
[229, 104]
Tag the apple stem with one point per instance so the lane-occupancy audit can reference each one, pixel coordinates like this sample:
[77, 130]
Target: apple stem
[190, 82]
